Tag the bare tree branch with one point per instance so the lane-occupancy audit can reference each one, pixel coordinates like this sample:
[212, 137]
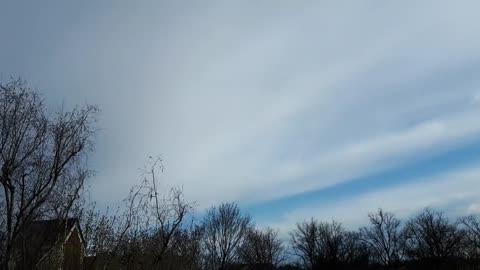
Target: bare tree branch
[42, 160]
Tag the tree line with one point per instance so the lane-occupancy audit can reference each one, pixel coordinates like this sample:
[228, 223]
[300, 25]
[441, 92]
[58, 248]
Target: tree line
[43, 174]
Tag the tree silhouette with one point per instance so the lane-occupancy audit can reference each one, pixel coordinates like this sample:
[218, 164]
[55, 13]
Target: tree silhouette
[384, 238]
[432, 240]
[262, 249]
[224, 230]
[42, 161]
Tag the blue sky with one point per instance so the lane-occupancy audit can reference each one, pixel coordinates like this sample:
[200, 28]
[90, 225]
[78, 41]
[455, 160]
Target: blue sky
[293, 109]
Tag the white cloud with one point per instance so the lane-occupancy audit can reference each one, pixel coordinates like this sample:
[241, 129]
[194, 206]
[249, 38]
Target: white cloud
[250, 102]
[440, 191]
[476, 97]
[325, 123]
[374, 155]
[474, 208]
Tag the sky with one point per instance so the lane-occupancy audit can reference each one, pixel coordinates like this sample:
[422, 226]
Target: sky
[292, 109]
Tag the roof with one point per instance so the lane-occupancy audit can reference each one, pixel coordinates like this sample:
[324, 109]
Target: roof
[52, 229]
[39, 238]
[46, 233]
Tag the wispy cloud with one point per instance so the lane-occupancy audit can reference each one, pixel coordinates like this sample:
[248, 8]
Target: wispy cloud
[438, 191]
[258, 101]
[474, 208]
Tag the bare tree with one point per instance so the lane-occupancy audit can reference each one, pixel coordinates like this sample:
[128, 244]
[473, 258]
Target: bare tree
[431, 239]
[42, 161]
[161, 214]
[355, 253]
[384, 238]
[188, 247]
[144, 233]
[104, 234]
[472, 226]
[330, 242]
[224, 230]
[304, 242]
[262, 250]
[327, 244]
